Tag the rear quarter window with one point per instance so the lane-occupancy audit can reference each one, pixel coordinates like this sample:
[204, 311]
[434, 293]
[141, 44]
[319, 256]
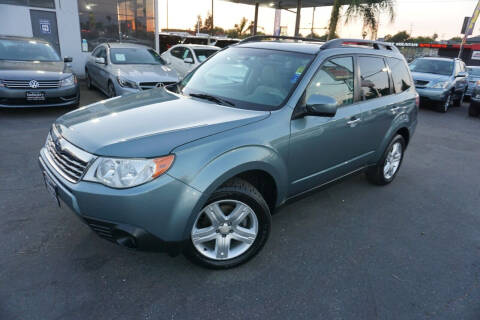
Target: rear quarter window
[400, 75]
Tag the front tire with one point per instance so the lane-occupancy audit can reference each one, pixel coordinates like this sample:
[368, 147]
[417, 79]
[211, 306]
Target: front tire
[443, 106]
[387, 168]
[232, 227]
[111, 90]
[473, 110]
[88, 80]
[459, 101]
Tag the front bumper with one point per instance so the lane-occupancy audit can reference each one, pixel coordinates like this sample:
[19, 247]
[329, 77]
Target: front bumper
[436, 95]
[58, 97]
[155, 216]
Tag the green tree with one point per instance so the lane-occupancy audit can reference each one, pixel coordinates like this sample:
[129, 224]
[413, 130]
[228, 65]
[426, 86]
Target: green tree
[402, 36]
[456, 39]
[367, 10]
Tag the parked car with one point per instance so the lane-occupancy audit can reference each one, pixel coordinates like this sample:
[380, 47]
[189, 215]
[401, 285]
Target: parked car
[121, 68]
[474, 108]
[442, 81]
[184, 58]
[199, 168]
[33, 75]
[473, 77]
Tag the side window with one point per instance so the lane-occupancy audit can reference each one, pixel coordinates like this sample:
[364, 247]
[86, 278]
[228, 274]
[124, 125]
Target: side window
[335, 79]
[178, 52]
[400, 74]
[373, 77]
[187, 54]
[96, 51]
[103, 53]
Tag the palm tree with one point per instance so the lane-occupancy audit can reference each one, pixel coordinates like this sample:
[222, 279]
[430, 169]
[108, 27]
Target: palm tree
[367, 10]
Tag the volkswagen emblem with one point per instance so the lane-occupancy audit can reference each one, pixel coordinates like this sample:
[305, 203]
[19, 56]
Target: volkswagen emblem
[33, 84]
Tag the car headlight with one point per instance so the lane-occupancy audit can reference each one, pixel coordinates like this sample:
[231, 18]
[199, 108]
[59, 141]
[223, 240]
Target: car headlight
[440, 85]
[126, 173]
[70, 81]
[127, 83]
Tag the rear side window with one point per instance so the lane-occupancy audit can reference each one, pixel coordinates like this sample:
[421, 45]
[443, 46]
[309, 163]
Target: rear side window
[400, 75]
[374, 80]
[178, 52]
[334, 79]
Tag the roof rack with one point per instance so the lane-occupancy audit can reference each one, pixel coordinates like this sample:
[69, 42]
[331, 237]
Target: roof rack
[342, 43]
[260, 38]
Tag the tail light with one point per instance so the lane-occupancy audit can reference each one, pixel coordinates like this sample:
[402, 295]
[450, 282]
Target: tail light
[417, 100]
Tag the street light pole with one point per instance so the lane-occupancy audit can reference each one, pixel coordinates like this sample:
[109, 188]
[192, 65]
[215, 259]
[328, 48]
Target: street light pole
[157, 36]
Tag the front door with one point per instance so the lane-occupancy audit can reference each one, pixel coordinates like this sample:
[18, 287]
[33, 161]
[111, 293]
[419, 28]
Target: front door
[44, 26]
[325, 148]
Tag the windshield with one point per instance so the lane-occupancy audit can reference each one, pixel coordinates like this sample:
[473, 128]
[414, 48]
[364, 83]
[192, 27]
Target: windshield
[443, 67]
[27, 50]
[255, 79]
[135, 56]
[203, 54]
[474, 72]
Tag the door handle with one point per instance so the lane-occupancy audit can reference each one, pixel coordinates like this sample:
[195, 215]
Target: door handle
[353, 123]
[395, 110]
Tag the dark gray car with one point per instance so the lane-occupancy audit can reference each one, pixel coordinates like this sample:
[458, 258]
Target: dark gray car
[33, 75]
[120, 68]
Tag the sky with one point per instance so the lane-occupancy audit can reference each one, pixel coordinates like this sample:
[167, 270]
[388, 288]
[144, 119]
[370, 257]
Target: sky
[422, 17]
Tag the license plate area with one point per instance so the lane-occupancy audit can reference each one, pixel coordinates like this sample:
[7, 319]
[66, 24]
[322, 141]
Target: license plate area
[35, 96]
[51, 187]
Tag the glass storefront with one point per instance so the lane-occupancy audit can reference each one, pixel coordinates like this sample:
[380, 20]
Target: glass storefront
[116, 20]
[31, 3]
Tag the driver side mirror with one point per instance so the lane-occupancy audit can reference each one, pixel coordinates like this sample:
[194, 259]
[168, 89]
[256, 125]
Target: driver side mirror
[321, 106]
[100, 60]
[462, 74]
[188, 60]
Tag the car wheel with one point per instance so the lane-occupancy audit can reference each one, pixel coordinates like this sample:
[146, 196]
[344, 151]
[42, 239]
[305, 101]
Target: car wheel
[111, 90]
[459, 101]
[231, 229]
[473, 110]
[386, 170]
[443, 107]
[88, 80]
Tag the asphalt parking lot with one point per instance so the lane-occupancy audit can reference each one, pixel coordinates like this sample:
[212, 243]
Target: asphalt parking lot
[410, 250]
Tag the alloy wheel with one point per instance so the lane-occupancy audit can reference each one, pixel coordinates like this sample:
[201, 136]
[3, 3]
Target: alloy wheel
[392, 162]
[447, 103]
[224, 229]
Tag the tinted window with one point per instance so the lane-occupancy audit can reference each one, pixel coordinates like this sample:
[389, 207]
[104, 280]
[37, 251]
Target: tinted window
[334, 79]
[374, 81]
[251, 78]
[203, 54]
[134, 56]
[23, 50]
[435, 66]
[177, 52]
[102, 53]
[400, 75]
[187, 54]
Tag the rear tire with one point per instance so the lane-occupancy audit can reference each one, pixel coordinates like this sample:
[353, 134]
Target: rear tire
[387, 168]
[223, 237]
[473, 110]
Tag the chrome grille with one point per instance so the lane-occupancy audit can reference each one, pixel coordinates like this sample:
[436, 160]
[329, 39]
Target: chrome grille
[24, 84]
[70, 161]
[421, 83]
[151, 85]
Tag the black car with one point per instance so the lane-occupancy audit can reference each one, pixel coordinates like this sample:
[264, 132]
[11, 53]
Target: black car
[33, 75]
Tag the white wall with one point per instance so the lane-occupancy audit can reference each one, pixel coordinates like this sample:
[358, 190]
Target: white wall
[15, 21]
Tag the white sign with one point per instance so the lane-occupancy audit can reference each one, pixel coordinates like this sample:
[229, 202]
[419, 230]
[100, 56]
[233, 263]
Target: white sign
[476, 55]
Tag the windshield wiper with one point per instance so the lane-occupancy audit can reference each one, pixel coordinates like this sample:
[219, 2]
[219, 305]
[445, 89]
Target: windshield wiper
[212, 98]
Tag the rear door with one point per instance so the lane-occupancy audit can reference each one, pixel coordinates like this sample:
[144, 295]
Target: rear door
[325, 148]
[44, 26]
[378, 101]
[177, 58]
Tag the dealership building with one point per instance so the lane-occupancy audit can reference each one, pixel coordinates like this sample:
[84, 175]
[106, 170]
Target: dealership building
[75, 27]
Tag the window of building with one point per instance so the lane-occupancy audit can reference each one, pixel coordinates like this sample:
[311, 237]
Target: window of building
[373, 77]
[31, 3]
[400, 75]
[334, 79]
[116, 20]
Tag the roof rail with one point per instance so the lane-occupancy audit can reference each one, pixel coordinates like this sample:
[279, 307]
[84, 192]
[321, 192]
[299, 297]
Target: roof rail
[342, 43]
[260, 38]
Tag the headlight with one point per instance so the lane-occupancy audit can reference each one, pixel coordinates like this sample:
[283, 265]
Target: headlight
[70, 81]
[440, 85]
[127, 83]
[126, 173]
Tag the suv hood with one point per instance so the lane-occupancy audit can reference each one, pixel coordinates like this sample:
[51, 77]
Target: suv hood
[429, 77]
[148, 124]
[28, 70]
[146, 73]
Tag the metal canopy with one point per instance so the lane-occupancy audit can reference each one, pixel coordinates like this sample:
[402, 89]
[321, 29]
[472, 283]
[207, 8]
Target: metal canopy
[286, 4]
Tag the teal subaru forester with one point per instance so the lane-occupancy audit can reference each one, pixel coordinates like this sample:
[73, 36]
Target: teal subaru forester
[199, 167]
